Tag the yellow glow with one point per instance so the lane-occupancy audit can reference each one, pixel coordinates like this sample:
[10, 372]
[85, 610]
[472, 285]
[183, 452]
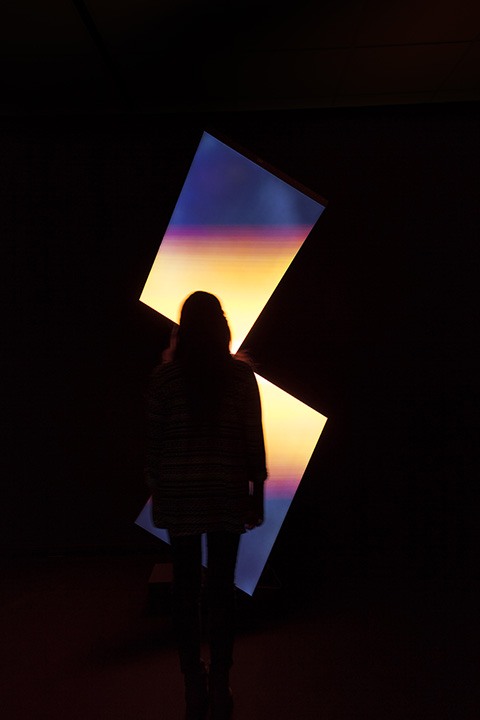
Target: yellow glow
[291, 431]
[242, 273]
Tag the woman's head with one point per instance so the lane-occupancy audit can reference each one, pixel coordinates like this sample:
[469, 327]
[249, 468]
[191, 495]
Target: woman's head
[203, 331]
[202, 347]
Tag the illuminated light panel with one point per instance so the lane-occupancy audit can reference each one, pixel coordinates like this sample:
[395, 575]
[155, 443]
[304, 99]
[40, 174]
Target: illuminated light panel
[234, 232]
[291, 431]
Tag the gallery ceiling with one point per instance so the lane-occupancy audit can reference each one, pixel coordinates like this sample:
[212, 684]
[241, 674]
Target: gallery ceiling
[141, 56]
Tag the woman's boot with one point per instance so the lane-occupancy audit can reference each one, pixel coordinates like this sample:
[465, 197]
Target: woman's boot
[221, 698]
[196, 693]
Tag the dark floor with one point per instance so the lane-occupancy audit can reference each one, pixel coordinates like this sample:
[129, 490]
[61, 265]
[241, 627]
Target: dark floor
[89, 637]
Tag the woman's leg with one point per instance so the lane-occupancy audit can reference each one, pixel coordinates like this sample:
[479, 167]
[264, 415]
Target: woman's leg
[186, 615]
[222, 557]
[222, 550]
[186, 593]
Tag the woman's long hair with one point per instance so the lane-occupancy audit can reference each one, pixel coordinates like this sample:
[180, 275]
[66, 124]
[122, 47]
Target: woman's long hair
[202, 347]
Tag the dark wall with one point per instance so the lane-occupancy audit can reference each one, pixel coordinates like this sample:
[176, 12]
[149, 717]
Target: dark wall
[374, 324]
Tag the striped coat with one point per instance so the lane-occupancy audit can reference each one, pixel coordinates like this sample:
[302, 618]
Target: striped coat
[200, 475]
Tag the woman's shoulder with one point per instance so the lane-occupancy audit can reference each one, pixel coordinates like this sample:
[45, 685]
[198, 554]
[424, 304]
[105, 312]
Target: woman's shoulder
[242, 364]
[243, 369]
[165, 372]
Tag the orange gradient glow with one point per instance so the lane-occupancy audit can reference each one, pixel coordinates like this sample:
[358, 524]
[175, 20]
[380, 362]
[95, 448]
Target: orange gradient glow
[241, 266]
[291, 431]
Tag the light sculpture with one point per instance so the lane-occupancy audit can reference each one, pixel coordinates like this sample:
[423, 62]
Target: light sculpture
[235, 230]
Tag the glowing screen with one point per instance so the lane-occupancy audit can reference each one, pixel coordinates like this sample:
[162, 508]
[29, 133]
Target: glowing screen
[234, 231]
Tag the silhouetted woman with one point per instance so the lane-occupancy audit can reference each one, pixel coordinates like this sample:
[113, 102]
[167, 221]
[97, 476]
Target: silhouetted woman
[206, 468]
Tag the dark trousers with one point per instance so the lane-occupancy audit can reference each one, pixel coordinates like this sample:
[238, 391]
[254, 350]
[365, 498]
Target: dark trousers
[222, 550]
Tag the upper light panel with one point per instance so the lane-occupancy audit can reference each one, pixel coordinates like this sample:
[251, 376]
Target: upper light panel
[235, 230]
